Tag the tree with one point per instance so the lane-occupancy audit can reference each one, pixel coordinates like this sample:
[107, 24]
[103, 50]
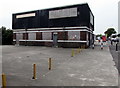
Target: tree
[110, 31]
[7, 36]
[98, 35]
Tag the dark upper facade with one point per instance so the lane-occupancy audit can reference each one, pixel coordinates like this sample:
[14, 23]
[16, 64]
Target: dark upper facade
[67, 16]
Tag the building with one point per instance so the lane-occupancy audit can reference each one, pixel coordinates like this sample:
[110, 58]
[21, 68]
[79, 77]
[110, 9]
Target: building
[67, 26]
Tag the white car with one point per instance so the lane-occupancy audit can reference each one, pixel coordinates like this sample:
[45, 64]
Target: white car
[115, 39]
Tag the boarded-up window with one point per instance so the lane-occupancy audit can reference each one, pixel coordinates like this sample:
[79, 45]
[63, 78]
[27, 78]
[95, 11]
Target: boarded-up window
[46, 36]
[25, 36]
[19, 36]
[32, 36]
[62, 35]
[83, 36]
[62, 13]
[14, 36]
[39, 36]
[73, 35]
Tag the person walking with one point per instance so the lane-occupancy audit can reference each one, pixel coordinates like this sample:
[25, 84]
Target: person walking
[101, 45]
[111, 42]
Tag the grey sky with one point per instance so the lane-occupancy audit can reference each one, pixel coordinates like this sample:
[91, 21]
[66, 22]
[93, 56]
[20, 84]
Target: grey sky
[105, 11]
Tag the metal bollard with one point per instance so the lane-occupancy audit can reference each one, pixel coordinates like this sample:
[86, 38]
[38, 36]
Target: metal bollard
[34, 71]
[101, 46]
[3, 80]
[72, 54]
[116, 46]
[93, 46]
[50, 64]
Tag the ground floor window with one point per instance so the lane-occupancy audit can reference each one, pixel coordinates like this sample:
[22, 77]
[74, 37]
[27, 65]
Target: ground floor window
[19, 36]
[73, 35]
[46, 35]
[31, 36]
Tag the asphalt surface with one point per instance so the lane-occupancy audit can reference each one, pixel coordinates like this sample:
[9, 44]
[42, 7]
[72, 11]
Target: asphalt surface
[90, 67]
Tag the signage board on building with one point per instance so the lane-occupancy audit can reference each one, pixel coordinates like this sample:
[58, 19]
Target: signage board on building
[62, 13]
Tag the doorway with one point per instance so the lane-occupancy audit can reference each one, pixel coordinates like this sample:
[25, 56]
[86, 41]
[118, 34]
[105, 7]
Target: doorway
[55, 39]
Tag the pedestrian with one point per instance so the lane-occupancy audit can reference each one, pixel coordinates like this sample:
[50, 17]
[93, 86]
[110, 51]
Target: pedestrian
[101, 45]
[99, 40]
[111, 42]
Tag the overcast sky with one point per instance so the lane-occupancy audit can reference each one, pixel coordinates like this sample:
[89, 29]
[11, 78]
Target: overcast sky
[105, 11]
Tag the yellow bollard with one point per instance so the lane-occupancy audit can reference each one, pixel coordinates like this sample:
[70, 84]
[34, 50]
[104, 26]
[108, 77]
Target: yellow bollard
[72, 54]
[34, 71]
[50, 63]
[78, 50]
[83, 46]
[3, 80]
[75, 51]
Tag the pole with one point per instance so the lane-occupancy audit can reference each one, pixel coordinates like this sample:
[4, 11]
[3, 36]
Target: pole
[34, 71]
[49, 66]
[102, 46]
[117, 46]
[93, 46]
[72, 54]
[3, 80]
[79, 50]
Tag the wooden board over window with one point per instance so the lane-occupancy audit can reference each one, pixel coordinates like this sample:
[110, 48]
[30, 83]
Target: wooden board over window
[39, 36]
[83, 36]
